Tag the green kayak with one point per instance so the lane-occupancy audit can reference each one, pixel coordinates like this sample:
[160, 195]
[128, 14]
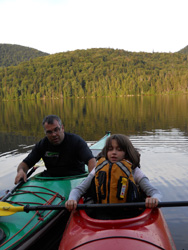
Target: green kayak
[39, 229]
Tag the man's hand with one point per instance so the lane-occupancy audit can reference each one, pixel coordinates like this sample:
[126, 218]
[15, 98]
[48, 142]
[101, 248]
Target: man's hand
[21, 172]
[20, 175]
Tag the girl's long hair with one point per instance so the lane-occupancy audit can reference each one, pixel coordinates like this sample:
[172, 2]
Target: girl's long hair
[126, 145]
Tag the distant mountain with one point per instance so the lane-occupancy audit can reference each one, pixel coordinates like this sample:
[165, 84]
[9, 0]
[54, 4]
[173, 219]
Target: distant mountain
[95, 73]
[12, 54]
[184, 50]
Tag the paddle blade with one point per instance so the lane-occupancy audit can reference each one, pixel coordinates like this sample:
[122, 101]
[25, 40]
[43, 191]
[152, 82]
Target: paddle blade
[7, 209]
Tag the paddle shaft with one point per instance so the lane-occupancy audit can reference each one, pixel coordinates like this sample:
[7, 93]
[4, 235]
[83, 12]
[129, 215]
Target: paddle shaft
[10, 192]
[28, 208]
[135, 204]
[7, 209]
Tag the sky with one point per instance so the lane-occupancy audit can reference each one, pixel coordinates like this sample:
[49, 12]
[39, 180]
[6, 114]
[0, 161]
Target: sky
[55, 26]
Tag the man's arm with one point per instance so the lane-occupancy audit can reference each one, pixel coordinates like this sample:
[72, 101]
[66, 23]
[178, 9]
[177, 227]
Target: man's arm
[91, 164]
[21, 172]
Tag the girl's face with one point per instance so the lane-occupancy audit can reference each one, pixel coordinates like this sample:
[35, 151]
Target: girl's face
[115, 153]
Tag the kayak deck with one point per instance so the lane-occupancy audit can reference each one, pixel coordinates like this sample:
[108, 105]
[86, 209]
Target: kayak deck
[147, 231]
[38, 190]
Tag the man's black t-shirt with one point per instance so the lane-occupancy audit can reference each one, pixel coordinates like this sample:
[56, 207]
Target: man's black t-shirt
[65, 159]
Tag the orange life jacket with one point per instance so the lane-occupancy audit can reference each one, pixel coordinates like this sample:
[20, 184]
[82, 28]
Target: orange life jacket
[114, 182]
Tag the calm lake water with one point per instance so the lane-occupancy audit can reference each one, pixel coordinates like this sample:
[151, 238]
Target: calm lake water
[157, 126]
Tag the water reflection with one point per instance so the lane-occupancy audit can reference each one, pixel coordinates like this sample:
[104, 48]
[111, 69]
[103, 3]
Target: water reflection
[132, 115]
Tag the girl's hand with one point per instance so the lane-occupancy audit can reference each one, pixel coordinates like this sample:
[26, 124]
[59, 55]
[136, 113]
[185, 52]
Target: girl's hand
[151, 202]
[71, 205]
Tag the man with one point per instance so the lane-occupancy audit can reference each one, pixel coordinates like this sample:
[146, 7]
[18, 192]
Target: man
[64, 154]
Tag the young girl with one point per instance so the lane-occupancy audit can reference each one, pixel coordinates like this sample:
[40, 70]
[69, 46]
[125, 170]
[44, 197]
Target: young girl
[118, 153]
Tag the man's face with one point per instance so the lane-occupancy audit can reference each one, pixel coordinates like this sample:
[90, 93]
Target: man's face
[54, 132]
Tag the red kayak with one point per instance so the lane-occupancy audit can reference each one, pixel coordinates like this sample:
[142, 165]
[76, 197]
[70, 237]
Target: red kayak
[147, 231]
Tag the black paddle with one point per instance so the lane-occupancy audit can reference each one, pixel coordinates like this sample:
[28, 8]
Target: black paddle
[8, 209]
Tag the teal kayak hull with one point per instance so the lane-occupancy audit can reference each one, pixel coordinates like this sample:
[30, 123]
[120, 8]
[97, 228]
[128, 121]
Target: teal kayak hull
[98, 146]
[21, 228]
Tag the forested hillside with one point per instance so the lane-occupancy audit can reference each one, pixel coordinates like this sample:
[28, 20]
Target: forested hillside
[95, 72]
[11, 54]
[184, 50]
